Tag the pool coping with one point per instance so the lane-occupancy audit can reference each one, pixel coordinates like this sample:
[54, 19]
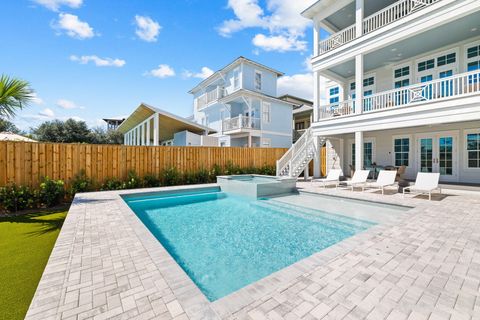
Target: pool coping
[190, 297]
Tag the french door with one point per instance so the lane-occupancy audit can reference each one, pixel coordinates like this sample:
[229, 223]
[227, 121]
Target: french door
[438, 153]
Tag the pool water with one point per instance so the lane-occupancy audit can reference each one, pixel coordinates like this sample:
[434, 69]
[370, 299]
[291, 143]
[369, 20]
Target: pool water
[225, 242]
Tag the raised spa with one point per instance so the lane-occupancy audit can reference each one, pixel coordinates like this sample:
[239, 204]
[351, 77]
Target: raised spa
[256, 186]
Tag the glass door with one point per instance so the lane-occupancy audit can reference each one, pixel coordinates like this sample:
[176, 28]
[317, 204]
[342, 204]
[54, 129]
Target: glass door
[437, 153]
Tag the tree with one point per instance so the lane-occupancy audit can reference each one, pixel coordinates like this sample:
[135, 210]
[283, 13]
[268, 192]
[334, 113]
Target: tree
[62, 131]
[99, 135]
[15, 94]
[6, 125]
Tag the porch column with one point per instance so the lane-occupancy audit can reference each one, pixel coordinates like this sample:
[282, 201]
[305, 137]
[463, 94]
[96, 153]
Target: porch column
[358, 150]
[359, 84]
[137, 129]
[317, 173]
[249, 140]
[148, 132]
[155, 130]
[359, 11]
[316, 95]
[316, 37]
[306, 172]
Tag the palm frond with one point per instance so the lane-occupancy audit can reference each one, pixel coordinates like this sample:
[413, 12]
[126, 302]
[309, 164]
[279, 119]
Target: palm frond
[15, 94]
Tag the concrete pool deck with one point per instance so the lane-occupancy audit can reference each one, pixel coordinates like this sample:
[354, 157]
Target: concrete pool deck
[422, 264]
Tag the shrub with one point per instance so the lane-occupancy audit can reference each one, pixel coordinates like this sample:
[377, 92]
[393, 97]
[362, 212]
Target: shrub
[133, 181]
[230, 169]
[202, 176]
[112, 184]
[215, 172]
[52, 192]
[151, 181]
[14, 198]
[81, 183]
[171, 177]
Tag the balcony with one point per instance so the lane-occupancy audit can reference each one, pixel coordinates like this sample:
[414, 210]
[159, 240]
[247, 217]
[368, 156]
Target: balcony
[241, 122]
[417, 94]
[209, 97]
[376, 21]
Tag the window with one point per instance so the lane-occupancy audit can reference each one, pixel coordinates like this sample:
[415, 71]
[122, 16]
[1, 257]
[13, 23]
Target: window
[352, 86]
[401, 151]
[367, 154]
[334, 91]
[334, 100]
[258, 80]
[473, 52]
[402, 72]
[425, 65]
[446, 59]
[472, 66]
[369, 82]
[266, 110]
[473, 150]
[402, 83]
[236, 78]
[299, 125]
[446, 85]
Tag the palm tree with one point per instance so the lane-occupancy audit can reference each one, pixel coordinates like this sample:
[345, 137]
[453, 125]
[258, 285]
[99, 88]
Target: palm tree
[14, 94]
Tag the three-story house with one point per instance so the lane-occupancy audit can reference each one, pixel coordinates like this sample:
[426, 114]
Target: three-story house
[403, 88]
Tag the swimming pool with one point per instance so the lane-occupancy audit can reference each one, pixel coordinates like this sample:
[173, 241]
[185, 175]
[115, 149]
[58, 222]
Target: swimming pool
[225, 242]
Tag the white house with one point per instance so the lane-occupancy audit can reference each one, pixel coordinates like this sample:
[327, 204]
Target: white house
[240, 103]
[402, 81]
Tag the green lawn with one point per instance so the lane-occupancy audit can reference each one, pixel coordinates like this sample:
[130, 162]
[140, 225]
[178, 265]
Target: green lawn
[25, 245]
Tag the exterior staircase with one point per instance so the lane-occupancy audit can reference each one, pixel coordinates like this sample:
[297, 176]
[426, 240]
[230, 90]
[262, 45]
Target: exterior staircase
[298, 156]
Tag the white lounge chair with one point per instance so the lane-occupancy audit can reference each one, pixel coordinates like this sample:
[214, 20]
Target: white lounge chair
[333, 177]
[385, 179]
[425, 183]
[359, 179]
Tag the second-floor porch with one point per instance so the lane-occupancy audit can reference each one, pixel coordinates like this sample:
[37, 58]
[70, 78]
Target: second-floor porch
[450, 88]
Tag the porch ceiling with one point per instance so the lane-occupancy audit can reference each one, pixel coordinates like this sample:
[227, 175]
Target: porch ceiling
[448, 34]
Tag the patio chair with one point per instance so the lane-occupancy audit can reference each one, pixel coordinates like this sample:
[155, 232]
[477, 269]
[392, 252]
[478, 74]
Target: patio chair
[385, 179]
[333, 177]
[425, 183]
[359, 179]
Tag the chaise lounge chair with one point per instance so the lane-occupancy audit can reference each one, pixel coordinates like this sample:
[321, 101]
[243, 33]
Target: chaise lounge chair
[425, 183]
[385, 179]
[359, 179]
[333, 177]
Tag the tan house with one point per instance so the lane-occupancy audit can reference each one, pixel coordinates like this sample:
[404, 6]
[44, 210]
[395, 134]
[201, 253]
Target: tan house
[302, 114]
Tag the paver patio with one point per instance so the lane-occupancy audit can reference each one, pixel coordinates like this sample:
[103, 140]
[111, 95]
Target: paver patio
[423, 264]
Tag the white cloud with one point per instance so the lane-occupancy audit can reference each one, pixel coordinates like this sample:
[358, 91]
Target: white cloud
[37, 100]
[54, 5]
[47, 113]
[99, 62]
[67, 104]
[300, 85]
[73, 27]
[203, 74]
[279, 43]
[163, 71]
[280, 17]
[147, 29]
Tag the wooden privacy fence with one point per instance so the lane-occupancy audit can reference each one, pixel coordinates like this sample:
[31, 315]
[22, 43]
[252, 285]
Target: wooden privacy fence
[25, 163]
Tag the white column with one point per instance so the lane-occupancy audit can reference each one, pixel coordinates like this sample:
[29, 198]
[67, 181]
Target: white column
[137, 133]
[317, 158]
[249, 140]
[359, 84]
[148, 132]
[306, 173]
[358, 150]
[359, 9]
[316, 95]
[316, 37]
[155, 130]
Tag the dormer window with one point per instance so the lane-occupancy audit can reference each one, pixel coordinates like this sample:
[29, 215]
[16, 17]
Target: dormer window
[258, 80]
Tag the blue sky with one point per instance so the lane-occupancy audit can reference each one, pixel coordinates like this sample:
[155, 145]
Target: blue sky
[91, 59]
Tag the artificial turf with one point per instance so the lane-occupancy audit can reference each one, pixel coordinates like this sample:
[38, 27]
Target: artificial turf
[26, 242]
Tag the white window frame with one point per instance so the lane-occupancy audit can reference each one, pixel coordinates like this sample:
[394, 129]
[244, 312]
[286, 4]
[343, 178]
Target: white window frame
[465, 151]
[435, 71]
[266, 112]
[372, 87]
[409, 77]
[266, 143]
[465, 56]
[236, 78]
[258, 72]
[410, 155]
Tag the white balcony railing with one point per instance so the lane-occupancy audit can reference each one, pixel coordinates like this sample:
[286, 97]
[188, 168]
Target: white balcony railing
[379, 19]
[241, 122]
[209, 97]
[436, 90]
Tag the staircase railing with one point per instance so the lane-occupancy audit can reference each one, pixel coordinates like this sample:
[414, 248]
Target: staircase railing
[285, 162]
